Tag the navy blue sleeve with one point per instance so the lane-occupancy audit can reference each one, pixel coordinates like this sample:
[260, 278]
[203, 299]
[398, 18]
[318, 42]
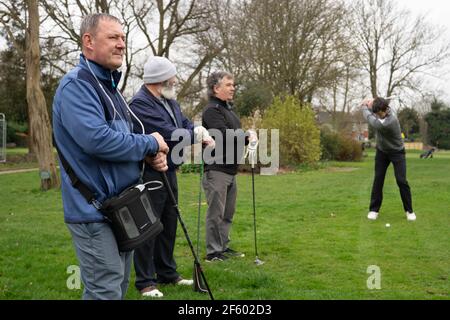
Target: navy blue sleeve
[154, 121]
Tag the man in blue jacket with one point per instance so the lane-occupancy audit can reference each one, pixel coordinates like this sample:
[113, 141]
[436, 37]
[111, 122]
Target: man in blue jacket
[93, 131]
[155, 105]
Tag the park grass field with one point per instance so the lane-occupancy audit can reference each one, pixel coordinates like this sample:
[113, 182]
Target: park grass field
[18, 159]
[313, 235]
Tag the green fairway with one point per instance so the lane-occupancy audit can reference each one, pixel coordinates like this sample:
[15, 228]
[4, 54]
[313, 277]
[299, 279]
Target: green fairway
[313, 235]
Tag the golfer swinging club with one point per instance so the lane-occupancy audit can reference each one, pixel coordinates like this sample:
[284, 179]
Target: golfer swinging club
[390, 148]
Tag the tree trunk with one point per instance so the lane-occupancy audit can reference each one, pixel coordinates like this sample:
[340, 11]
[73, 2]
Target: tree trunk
[40, 127]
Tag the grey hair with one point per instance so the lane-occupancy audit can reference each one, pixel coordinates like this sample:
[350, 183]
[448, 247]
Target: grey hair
[90, 22]
[215, 79]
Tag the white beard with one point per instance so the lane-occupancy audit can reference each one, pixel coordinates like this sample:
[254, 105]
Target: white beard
[168, 93]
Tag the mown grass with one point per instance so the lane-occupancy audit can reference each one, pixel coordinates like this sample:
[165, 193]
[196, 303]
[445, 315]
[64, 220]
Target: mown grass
[313, 235]
[18, 159]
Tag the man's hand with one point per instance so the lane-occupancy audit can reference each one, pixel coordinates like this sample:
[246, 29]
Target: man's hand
[209, 142]
[158, 162]
[202, 135]
[367, 103]
[161, 143]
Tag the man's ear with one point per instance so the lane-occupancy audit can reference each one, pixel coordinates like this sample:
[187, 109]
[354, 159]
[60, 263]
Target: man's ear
[87, 40]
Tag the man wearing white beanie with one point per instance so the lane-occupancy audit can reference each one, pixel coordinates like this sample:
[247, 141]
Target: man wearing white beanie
[154, 104]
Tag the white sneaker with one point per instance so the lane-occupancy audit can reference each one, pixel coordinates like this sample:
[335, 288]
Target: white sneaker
[372, 215]
[410, 216]
[151, 292]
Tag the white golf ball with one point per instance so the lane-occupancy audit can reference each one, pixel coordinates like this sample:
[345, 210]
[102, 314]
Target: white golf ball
[387, 225]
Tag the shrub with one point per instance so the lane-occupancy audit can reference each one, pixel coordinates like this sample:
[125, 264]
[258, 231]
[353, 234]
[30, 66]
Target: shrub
[189, 168]
[299, 134]
[16, 133]
[339, 147]
[252, 122]
[253, 96]
[329, 143]
[439, 128]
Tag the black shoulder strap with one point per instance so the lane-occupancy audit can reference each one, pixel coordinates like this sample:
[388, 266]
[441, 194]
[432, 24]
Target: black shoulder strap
[76, 183]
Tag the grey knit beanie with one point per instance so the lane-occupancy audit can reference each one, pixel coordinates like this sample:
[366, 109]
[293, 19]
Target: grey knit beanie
[158, 69]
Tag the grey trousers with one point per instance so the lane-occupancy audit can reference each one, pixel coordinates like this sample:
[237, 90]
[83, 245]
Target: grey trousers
[221, 191]
[105, 271]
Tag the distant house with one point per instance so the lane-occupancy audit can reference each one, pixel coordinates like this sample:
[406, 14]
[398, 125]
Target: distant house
[351, 124]
[360, 132]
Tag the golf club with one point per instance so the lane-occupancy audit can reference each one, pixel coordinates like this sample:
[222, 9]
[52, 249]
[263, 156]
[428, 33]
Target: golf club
[258, 262]
[251, 152]
[199, 286]
[197, 266]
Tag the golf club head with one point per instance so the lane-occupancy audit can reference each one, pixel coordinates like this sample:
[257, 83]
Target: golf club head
[199, 285]
[258, 262]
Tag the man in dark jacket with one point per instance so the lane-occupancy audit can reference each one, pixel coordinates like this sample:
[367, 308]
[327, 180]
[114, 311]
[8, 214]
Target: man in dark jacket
[390, 148]
[219, 181]
[154, 104]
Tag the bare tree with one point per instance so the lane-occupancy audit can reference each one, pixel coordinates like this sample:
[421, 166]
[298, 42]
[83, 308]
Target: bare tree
[176, 29]
[39, 119]
[393, 46]
[24, 17]
[62, 21]
[189, 30]
[291, 45]
[344, 91]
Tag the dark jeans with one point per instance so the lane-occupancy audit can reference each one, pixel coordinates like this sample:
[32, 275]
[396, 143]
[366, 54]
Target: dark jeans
[382, 161]
[154, 261]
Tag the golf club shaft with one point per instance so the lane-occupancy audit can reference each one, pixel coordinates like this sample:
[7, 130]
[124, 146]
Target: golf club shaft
[183, 226]
[199, 204]
[254, 210]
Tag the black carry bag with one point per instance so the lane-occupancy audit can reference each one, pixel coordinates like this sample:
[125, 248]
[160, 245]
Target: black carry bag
[130, 214]
[132, 217]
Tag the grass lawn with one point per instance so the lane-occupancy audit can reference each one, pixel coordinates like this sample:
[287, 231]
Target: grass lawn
[313, 235]
[18, 159]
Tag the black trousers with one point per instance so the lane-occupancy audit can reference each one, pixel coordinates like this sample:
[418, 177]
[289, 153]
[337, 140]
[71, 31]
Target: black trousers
[382, 161]
[154, 261]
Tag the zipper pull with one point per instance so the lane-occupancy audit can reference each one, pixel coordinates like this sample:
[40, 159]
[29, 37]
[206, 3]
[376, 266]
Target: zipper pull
[113, 83]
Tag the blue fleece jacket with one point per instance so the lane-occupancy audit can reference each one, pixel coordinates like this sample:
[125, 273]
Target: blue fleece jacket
[96, 139]
[155, 117]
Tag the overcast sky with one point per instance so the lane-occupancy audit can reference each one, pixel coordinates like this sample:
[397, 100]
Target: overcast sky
[438, 13]
[437, 10]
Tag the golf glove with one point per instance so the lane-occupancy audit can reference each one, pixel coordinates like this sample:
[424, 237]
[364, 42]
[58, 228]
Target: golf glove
[252, 136]
[202, 135]
[252, 147]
